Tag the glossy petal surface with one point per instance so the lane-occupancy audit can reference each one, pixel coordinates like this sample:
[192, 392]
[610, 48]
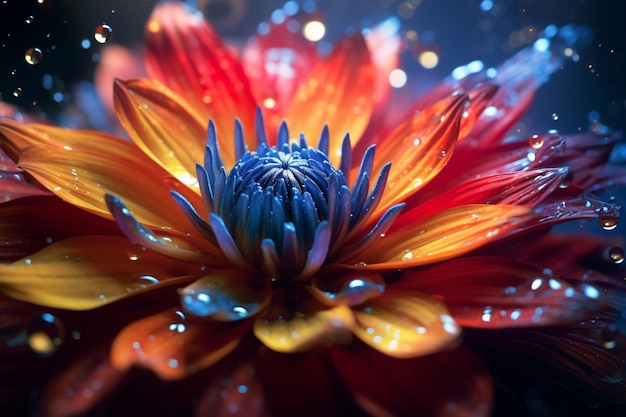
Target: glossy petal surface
[82, 166]
[337, 92]
[174, 347]
[444, 235]
[84, 272]
[405, 324]
[185, 54]
[162, 125]
[283, 331]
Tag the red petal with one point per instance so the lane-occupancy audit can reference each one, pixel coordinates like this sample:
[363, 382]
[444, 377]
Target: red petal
[277, 61]
[453, 383]
[186, 55]
[77, 390]
[498, 292]
[24, 230]
[338, 92]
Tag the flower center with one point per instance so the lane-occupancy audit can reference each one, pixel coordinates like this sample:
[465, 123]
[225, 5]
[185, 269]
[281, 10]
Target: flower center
[275, 202]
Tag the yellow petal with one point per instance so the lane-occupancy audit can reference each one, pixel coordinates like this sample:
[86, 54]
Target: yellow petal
[86, 272]
[82, 166]
[445, 235]
[419, 149]
[405, 324]
[338, 92]
[163, 126]
[282, 331]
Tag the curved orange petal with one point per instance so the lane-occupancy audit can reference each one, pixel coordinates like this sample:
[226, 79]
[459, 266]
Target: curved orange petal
[419, 149]
[338, 92]
[174, 347]
[283, 331]
[185, 54]
[163, 126]
[82, 166]
[85, 272]
[445, 235]
[405, 324]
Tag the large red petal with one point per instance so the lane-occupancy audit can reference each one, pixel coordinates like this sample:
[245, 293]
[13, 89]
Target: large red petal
[186, 55]
[450, 384]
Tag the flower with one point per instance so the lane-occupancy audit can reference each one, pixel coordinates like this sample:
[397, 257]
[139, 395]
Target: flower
[260, 273]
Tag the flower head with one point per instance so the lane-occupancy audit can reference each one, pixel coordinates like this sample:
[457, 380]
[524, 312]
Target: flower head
[218, 246]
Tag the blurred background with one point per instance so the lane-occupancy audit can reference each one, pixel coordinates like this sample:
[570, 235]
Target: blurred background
[47, 46]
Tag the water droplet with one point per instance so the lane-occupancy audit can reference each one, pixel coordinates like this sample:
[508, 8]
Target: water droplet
[45, 334]
[608, 221]
[134, 253]
[33, 56]
[442, 154]
[536, 141]
[17, 92]
[567, 180]
[555, 116]
[616, 254]
[29, 20]
[103, 33]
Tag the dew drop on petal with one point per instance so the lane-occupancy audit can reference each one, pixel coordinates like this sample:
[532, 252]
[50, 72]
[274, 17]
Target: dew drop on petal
[103, 33]
[536, 141]
[45, 334]
[616, 254]
[134, 253]
[608, 221]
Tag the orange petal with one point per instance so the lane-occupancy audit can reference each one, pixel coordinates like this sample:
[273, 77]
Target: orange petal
[283, 331]
[174, 347]
[85, 272]
[445, 235]
[405, 324]
[82, 166]
[185, 54]
[163, 126]
[419, 149]
[337, 92]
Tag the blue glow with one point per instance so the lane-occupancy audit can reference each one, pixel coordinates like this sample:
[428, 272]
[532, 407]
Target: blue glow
[291, 8]
[85, 43]
[486, 5]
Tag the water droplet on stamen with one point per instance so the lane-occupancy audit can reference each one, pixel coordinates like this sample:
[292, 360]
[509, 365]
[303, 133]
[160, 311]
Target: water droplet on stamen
[45, 334]
[536, 141]
[616, 254]
[103, 33]
[33, 56]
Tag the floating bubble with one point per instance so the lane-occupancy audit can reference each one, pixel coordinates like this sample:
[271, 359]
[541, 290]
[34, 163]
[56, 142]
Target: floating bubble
[45, 334]
[103, 33]
[33, 56]
[536, 141]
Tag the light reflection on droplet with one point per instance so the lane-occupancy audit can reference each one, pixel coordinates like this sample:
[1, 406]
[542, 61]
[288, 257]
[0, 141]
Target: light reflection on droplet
[536, 141]
[103, 33]
[616, 254]
[608, 221]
